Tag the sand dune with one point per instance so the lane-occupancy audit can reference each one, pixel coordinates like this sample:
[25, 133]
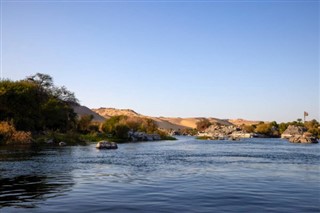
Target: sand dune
[83, 110]
[109, 112]
[239, 122]
[174, 123]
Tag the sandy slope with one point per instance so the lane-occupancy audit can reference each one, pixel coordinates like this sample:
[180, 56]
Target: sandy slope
[109, 112]
[175, 123]
[83, 110]
[239, 122]
[166, 124]
[163, 122]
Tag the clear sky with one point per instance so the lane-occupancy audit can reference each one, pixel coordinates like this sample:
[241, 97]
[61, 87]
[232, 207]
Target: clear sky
[255, 60]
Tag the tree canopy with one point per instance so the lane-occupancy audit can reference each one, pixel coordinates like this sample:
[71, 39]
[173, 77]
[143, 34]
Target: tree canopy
[36, 104]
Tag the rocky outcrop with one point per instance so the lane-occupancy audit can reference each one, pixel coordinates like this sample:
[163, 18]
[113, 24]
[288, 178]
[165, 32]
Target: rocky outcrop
[241, 134]
[292, 131]
[142, 136]
[106, 145]
[62, 143]
[220, 132]
[298, 134]
[303, 139]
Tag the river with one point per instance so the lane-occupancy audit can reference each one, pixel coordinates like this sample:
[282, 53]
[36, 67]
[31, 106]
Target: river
[187, 175]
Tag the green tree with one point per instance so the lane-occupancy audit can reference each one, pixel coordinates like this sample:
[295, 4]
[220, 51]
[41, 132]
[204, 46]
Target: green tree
[84, 124]
[248, 128]
[313, 127]
[58, 115]
[148, 126]
[119, 126]
[110, 124]
[121, 131]
[19, 103]
[45, 83]
[283, 127]
[263, 128]
[32, 105]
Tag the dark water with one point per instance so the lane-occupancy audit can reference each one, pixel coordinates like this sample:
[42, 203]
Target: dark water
[253, 175]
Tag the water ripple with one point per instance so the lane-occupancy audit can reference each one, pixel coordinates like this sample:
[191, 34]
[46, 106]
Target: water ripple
[253, 175]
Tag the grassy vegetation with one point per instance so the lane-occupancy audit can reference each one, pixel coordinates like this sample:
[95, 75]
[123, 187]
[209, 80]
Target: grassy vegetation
[9, 134]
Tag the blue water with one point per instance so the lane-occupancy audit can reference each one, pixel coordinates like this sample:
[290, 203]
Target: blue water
[187, 175]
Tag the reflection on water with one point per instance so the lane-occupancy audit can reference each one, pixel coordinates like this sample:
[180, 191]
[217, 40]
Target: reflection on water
[24, 191]
[27, 178]
[255, 175]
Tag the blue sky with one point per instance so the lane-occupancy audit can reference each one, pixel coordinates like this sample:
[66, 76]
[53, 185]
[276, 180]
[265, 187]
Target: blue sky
[256, 60]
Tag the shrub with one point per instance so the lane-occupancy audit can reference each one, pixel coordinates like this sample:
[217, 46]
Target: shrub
[9, 134]
[21, 137]
[203, 124]
[164, 136]
[248, 128]
[6, 131]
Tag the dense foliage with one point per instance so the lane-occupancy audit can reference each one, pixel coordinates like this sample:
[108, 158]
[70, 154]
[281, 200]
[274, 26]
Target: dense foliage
[118, 128]
[35, 104]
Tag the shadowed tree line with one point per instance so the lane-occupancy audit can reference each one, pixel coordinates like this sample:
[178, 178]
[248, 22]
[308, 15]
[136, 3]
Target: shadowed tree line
[34, 106]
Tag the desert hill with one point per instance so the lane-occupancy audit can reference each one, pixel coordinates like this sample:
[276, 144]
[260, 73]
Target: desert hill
[192, 122]
[240, 121]
[174, 123]
[163, 122]
[83, 110]
[109, 112]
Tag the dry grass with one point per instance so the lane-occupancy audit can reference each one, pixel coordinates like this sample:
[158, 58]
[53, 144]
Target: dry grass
[9, 134]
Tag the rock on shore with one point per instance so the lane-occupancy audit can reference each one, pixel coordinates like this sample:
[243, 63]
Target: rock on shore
[106, 145]
[142, 136]
[302, 139]
[297, 134]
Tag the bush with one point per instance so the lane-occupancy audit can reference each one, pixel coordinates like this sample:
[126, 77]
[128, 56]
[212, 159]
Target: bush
[164, 136]
[248, 128]
[9, 134]
[118, 127]
[203, 124]
[21, 137]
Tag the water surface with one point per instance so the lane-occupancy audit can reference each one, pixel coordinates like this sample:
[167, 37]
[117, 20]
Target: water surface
[187, 175]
